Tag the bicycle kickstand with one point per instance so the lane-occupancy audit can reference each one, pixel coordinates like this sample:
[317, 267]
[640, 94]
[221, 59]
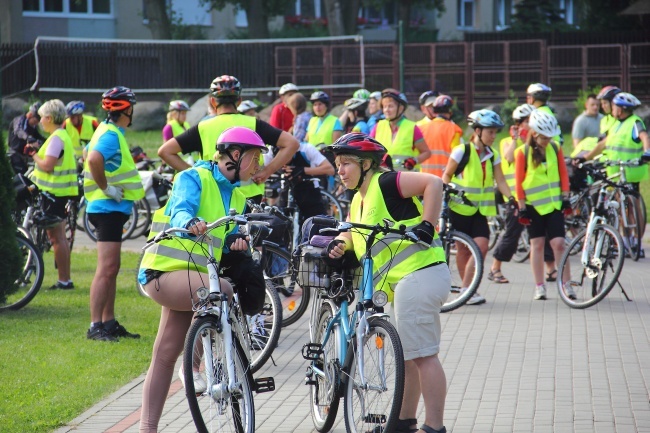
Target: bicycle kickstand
[623, 290]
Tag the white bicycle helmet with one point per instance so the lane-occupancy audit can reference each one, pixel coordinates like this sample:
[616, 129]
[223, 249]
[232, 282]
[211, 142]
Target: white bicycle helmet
[356, 104]
[178, 105]
[376, 96]
[289, 87]
[544, 124]
[626, 100]
[246, 105]
[539, 91]
[523, 111]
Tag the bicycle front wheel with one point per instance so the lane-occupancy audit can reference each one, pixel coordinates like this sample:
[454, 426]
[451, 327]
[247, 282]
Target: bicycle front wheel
[593, 281]
[214, 406]
[631, 231]
[263, 330]
[495, 230]
[280, 272]
[455, 242]
[143, 223]
[325, 393]
[332, 206]
[374, 400]
[523, 248]
[30, 278]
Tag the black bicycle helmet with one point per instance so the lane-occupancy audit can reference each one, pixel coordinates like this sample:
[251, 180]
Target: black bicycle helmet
[608, 92]
[226, 86]
[118, 99]
[361, 145]
[320, 96]
[426, 95]
[398, 96]
[443, 104]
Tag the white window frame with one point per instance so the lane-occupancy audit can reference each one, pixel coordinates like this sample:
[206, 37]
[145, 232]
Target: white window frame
[501, 14]
[568, 7]
[317, 8]
[461, 15]
[67, 14]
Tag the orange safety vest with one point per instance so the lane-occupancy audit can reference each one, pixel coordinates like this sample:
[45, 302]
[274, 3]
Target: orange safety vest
[441, 135]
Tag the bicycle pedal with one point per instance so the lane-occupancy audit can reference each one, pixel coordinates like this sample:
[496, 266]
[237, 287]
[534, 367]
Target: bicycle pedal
[312, 351]
[374, 418]
[264, 384]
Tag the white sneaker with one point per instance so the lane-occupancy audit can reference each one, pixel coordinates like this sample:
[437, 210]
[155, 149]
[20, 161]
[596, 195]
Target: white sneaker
[568, 289]
[540, 293]
[476, 299]
[199, 383]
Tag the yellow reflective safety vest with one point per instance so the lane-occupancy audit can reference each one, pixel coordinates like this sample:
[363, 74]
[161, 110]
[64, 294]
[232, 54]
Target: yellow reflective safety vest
[62, 181]
[478, 190]
[401, 147]
[547, 109]
[321, 135]
[177, 128]
[211, 129]
[393, 257]
[621, 147]
[80, 138]
[606, 123]
[508, 168]
[126, 176]
[585, 145]
[423, 121]
[542, 183]
[183, 254]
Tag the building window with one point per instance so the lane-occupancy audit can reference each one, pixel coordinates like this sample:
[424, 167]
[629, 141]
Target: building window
[465, 14]
[505, 10]
[241, 20]
[567, 8]
[309, 8]
[386, 15]
[58, 8]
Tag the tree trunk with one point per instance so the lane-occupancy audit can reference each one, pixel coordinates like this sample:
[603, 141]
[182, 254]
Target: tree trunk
[258, 20]
[159, 23]
[334, 17]
[350, 14]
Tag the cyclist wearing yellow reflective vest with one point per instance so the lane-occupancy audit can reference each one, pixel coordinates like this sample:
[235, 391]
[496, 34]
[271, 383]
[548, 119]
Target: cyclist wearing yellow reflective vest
[605, 97]
[111, 185]
[323, 128]
[542, 186]
[80, 126]
[474, 168]
[176, 119]
[401, 137]
[172, 270]
[55, 171]
[538, 94]
[225, 95]
[417, 275]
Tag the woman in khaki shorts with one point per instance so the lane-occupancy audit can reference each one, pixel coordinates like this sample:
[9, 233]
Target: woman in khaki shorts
[417, 277]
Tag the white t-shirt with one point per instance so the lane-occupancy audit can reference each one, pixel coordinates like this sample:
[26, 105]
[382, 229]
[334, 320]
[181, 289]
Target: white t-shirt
[458, 152]
[308, 151]
[54, 148]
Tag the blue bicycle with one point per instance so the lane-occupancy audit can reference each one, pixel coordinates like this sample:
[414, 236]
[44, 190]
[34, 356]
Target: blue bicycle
[357, 355]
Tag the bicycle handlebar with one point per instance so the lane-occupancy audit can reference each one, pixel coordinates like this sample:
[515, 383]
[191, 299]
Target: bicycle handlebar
[386, 228]
[450, 189]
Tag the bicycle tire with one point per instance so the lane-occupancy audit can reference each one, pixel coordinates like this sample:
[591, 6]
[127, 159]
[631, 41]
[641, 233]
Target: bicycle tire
[495, 231]
[632, 233]
[31, 278]
[324, 398]
[262, 344]
[332, 206]
[139, 286]
[592, 290]
[458, 297]
[71, 222]
[208, 410]
[523, 248]
[143, 222]
[127, 229]
[279, 269]
[379, 403]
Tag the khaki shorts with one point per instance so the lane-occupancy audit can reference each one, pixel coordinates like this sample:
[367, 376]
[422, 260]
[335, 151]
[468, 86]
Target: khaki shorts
[416, 310]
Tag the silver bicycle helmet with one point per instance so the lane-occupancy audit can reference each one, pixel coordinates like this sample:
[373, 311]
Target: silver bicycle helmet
[544, 124]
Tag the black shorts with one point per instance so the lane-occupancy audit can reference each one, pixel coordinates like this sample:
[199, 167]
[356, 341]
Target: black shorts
[108, 226]
[550, 225]
[57, 207]
[476, 226]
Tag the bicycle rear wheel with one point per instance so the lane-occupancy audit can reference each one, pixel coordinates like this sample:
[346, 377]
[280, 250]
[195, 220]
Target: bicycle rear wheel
[332, 206]
[495, 230]
[143, 223]
[127, 229]
[139, 286]
[263, 331]
[459, 295]
[30, 278]
[280, 272]
[71, 222]
[325, 394]
[596, 279]
[215, 408]
[632, 232]
[378, 402]
[523, 248]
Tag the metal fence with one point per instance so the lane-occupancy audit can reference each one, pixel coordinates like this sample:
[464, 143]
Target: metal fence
[475, 73]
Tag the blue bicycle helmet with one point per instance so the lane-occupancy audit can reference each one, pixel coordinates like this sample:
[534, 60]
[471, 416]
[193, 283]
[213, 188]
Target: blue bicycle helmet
[484, 119]
[320, 96]
[626, 100]
[75, 107]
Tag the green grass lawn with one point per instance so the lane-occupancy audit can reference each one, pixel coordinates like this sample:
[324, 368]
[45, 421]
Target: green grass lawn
[50, 372]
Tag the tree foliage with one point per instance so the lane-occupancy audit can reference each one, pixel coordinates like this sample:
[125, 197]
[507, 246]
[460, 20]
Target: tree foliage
[538, 16]
[258, 12]
[603, 15]
[10, 265]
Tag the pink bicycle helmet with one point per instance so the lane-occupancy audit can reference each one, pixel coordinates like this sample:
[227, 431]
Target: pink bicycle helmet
[241, 137]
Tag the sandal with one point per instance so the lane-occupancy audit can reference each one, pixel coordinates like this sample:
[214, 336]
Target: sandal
[401, 426]
[497, 277]
[551, 276]
[426, 429]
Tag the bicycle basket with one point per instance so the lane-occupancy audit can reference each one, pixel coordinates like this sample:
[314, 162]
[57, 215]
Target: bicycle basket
[312, 272]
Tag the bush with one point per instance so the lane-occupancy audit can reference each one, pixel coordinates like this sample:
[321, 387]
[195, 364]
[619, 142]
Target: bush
[582, 97]
[508, 107]
[10, 265]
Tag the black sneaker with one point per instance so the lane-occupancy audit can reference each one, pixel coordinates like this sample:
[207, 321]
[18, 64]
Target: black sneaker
[119, 331]
[62, 286]
[99, 333]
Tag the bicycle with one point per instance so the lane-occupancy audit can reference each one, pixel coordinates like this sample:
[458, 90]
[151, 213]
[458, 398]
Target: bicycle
[359, 355]
[127, 229]
[216, 349]
[497, 226]
[598, 251]
[451, 239]
[31, 275]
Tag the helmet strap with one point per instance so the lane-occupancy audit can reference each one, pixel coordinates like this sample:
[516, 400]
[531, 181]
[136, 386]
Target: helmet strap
[398, 115]
[233, 165]
[363, 175]
[130, 116]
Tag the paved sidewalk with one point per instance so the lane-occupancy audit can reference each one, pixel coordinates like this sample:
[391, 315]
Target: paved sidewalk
[512, 365]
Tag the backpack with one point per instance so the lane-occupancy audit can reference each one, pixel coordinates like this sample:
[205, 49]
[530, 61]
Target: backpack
[310, 229]
[465, 159]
